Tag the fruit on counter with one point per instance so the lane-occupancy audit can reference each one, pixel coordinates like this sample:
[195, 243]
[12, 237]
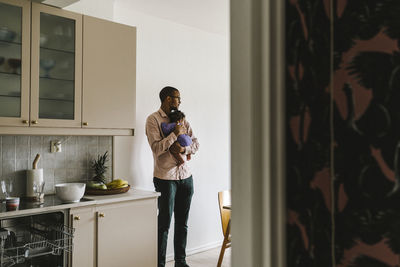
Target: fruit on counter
[117, 183]
[99, 167]
[96, 185]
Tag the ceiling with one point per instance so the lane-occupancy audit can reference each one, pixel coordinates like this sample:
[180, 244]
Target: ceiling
[207, 15]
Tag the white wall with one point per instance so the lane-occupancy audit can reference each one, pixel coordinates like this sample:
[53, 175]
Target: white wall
[197, 63]
[97, 8]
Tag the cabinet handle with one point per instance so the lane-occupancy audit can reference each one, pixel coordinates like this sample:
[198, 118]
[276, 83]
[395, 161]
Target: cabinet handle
[102, 215]
[85, 124]
[35, 122]
[77, 218]
[25, 121]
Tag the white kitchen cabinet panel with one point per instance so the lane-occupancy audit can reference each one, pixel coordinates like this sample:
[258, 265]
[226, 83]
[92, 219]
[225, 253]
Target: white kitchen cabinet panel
[84, 223]
[122, 234]
[15, 21]
[56, 73]
[127, 234]
[109, 71]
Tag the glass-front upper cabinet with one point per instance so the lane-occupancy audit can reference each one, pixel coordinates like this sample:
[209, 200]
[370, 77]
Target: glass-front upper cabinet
[56, 74]
[14, 62]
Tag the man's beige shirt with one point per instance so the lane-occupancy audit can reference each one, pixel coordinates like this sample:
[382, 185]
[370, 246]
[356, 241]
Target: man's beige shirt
[165, 165]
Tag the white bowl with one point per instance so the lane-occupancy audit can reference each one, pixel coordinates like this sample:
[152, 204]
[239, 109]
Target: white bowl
[70, 192]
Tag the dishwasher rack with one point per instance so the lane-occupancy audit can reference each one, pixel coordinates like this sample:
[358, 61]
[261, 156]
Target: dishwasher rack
[44, 240]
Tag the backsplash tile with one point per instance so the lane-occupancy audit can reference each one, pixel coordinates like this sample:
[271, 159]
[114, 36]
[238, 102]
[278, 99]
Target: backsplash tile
[21, 152]
[8, 151]
[8, 140]
[8, 168]
[73, 164]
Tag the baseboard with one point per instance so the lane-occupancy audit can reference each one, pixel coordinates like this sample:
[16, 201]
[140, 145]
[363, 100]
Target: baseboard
[191, 251]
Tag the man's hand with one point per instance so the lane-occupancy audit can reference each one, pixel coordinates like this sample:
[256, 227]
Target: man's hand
[176, 148]
[179, 129]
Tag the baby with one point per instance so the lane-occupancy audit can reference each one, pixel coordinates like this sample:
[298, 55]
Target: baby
[176, 118]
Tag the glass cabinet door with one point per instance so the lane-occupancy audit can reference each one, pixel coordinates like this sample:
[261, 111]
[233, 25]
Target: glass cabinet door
[14, 62]
[56, 67]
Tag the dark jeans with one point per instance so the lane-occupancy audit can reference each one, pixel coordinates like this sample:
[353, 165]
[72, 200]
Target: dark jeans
[175, 198]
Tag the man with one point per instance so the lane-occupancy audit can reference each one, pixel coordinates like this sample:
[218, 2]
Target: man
[173, 181]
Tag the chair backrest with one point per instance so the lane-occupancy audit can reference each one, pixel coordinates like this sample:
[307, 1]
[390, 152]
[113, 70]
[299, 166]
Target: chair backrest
[224, 198]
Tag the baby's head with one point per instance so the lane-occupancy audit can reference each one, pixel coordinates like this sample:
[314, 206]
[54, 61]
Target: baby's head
[176, 115]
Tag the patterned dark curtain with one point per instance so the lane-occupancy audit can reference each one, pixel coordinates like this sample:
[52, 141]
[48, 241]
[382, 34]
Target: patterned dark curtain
[343, 133]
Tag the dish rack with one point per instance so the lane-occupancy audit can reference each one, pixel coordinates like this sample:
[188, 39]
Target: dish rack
[44, 240]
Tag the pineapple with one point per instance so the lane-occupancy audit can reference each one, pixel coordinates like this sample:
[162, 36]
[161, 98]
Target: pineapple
[100, 168]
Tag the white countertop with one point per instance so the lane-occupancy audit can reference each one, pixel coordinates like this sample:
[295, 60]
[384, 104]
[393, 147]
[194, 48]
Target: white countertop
[132, 194]
[52, 203]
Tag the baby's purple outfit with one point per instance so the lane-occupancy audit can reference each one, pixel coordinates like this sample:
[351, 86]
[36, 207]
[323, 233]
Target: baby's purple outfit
[183, 139]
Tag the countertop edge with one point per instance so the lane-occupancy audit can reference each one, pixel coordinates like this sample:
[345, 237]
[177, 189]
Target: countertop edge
[131, 195]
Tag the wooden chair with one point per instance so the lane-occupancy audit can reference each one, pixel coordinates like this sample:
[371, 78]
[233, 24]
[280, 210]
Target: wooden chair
[224, 198]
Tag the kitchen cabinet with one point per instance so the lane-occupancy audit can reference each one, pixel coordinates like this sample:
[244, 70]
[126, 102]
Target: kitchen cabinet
[56, 72]
[14, 62]
[109, 70]
[118, 234]
[65, 73]
[84, 223]
[41, 61]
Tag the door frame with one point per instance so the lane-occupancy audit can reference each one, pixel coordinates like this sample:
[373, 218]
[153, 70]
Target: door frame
[258, 133]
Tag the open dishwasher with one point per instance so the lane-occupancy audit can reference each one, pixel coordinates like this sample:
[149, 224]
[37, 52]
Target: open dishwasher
[36, 240]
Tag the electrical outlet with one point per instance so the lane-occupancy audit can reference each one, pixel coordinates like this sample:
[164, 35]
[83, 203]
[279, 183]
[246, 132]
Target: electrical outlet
[55, 146]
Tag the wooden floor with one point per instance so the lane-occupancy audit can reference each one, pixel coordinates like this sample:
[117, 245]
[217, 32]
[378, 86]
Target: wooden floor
[207, 258]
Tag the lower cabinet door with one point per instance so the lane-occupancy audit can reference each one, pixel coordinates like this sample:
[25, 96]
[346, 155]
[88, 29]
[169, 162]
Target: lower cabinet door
[84, 250]
[127, 234]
